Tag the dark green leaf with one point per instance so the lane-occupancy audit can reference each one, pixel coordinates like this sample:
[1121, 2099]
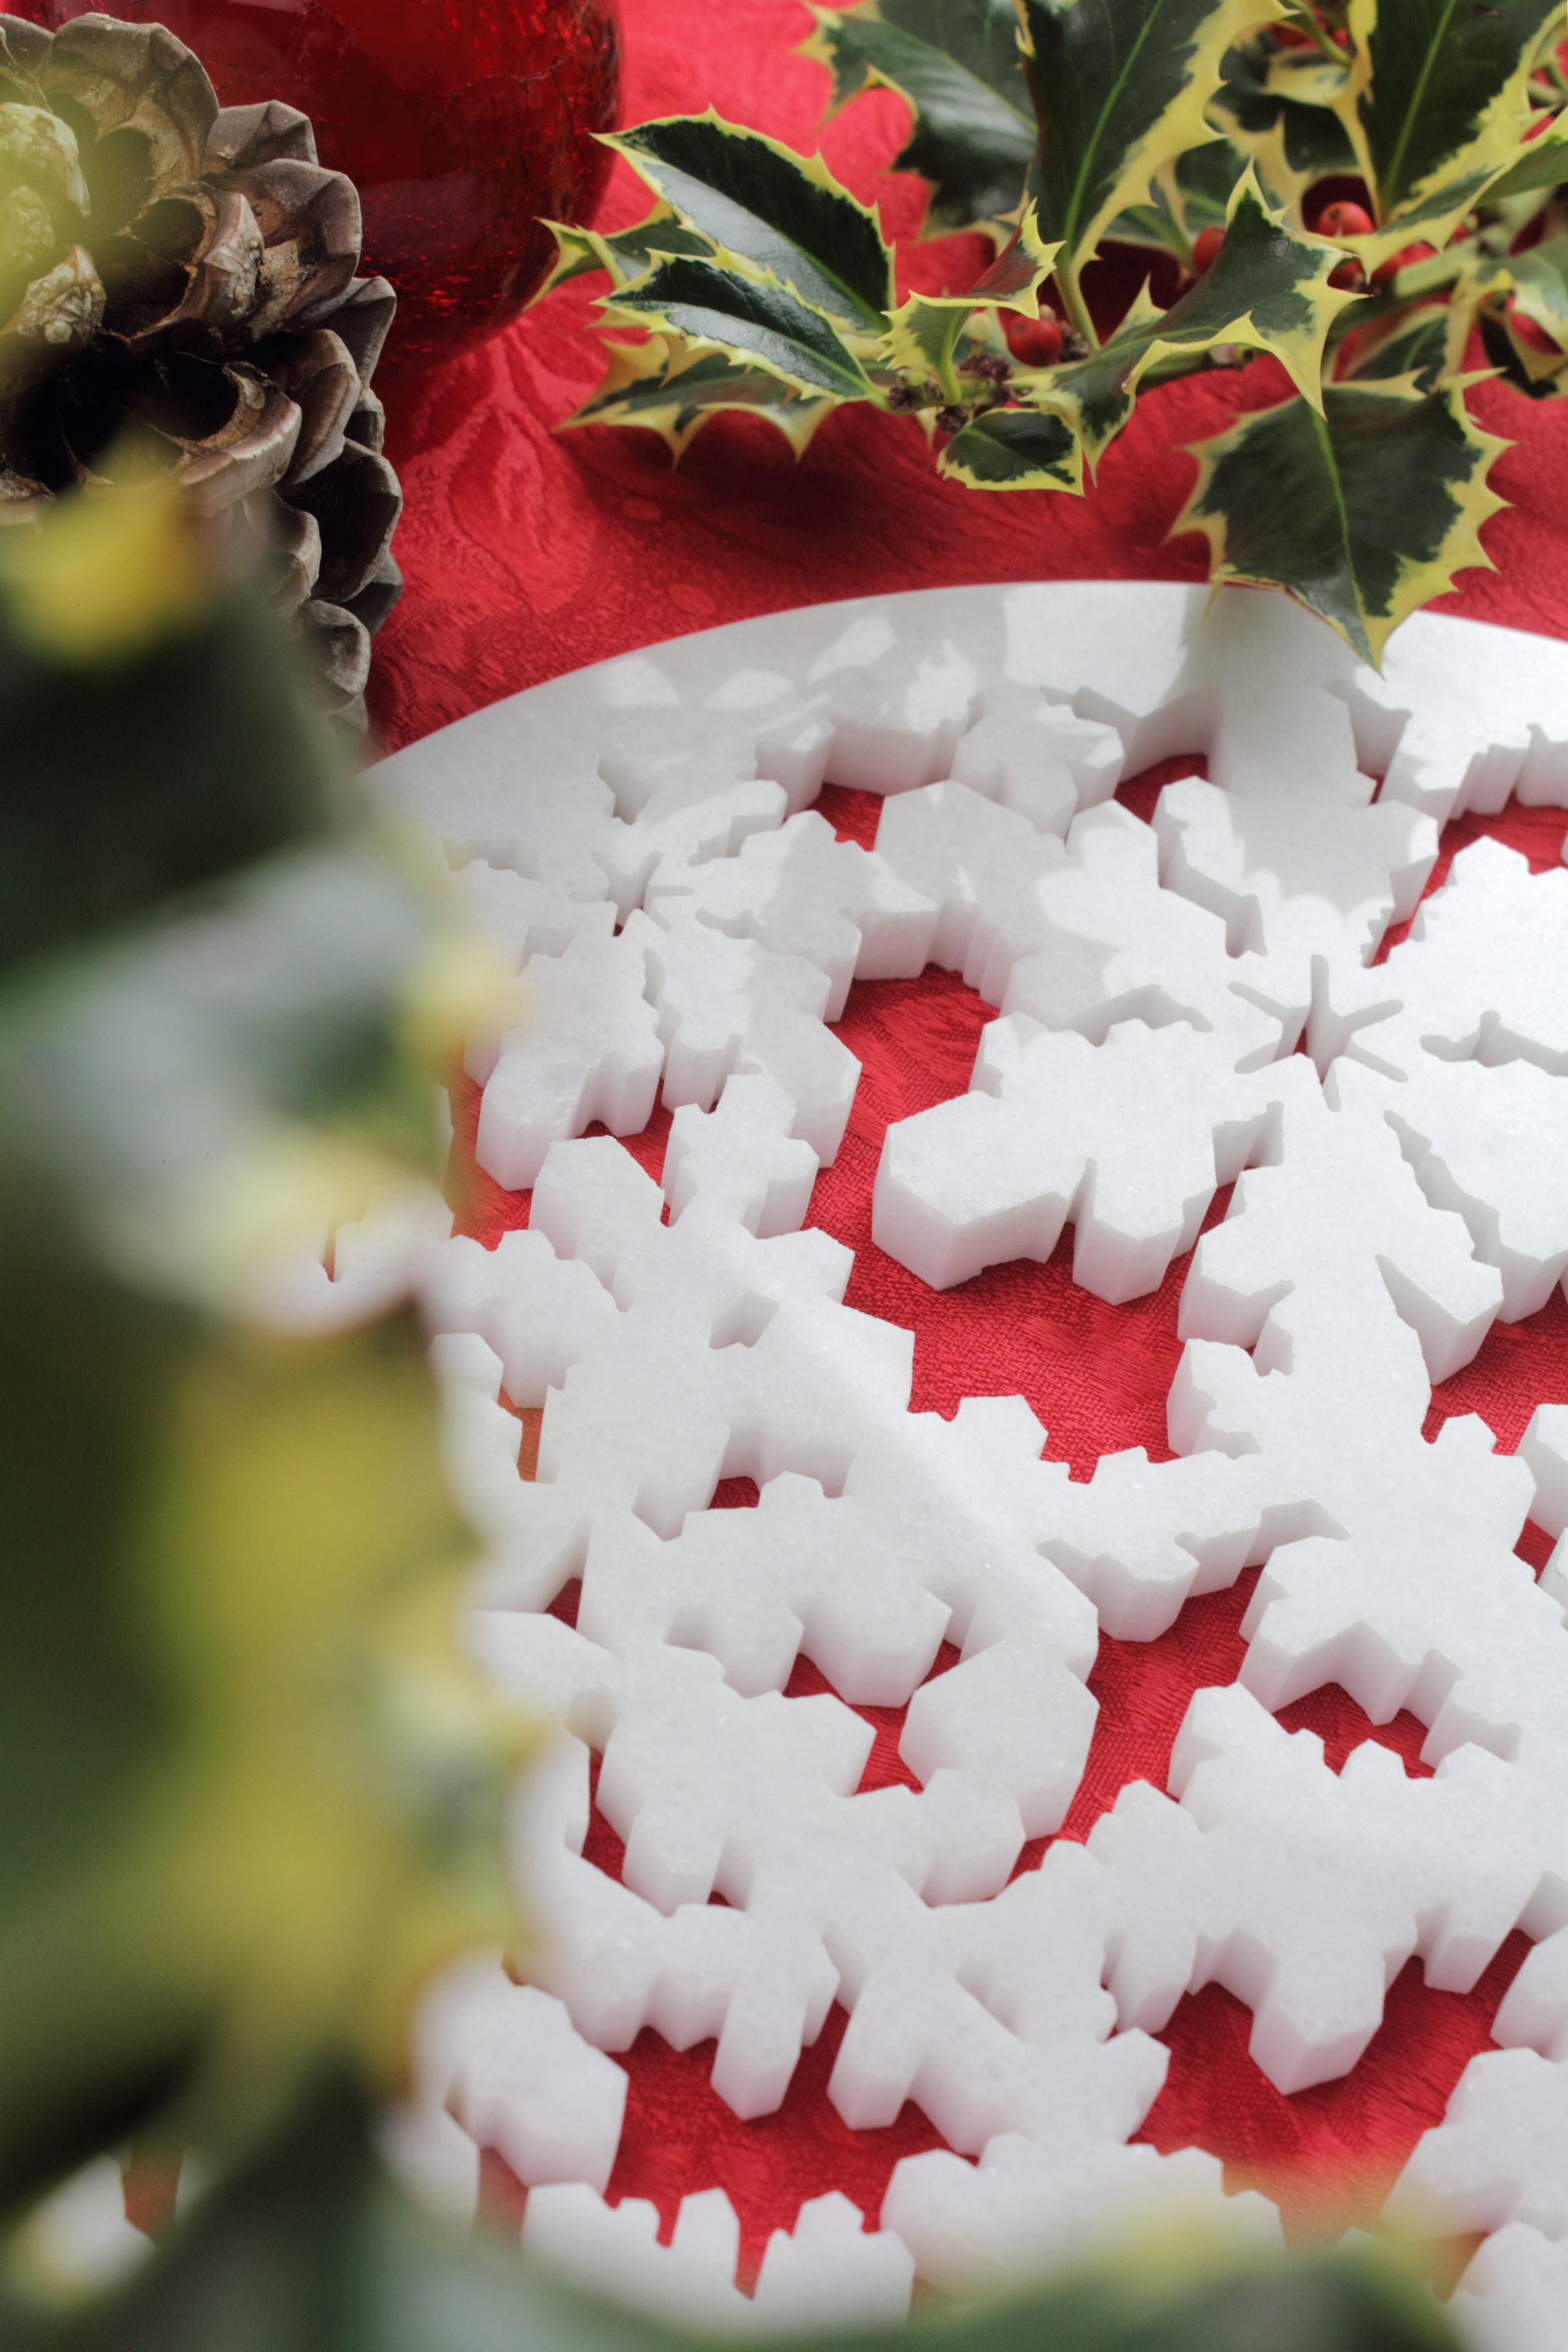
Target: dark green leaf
[763, 204]
[1119, 87]
[1437, 102]
[1416, 344]
[765, 325]
[111, 800]
[1363, 513]
[1016, 449]
[1292, 144]
[956, 62]
[1267, 288]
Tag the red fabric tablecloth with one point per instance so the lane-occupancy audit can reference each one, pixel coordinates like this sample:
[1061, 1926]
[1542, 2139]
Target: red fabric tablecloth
[529, 553]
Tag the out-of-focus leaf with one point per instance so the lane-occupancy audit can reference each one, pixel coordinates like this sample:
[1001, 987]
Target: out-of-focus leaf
[675, 393]
[1539, 277]
[1542, 164]
[1016, 449]
[955, 63]
[759, 204]
[1363, 513]
[111, 799]
[361, 2272]
[1436, 105]
[255, 1795]
[1267, 288]
[1119, 87]
[756, 324]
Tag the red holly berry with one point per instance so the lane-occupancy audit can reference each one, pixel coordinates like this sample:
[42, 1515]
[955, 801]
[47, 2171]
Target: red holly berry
[1405, 258]
[1291, 36]
[1349, 273]
[1204, 246]
[1344, 219]
[1035, 342]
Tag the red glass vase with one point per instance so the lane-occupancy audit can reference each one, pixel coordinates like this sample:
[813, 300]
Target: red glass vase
[462, 123]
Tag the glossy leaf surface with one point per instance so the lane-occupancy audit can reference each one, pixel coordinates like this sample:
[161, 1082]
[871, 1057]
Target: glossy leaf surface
[781, 214]
[1362, 512]
[956, 64]
[757, 323]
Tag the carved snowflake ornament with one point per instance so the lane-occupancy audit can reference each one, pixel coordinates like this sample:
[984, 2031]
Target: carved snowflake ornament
[1180, 1004]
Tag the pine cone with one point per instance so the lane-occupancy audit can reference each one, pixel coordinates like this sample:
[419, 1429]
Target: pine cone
[187, 273]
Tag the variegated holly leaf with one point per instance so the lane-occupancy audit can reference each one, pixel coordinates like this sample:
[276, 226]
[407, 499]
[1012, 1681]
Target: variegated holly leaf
[760, 205]
[1190, 196]
[624, 255]
[1436, 105]
[1016, 449]
[755, 320]
[1425, 343]
[1542, 164]
[1119, 87]
[926, 330]
[1294, 145]
[675, 393]
[956, 64]
[1539, 277]
[1362, 512]
[1267, 288]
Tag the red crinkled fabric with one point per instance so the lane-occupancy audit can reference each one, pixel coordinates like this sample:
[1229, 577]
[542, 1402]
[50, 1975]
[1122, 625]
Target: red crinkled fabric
[529, 553]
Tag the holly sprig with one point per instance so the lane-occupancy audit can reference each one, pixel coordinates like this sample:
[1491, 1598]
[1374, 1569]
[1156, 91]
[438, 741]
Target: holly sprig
[1215, 131]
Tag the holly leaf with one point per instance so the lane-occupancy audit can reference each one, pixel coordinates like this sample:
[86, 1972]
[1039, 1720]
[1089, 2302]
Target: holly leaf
[956, 64]
[1016, 449]
[674, 393]
[1543, 164]
[1362, 512]
[757, 203]
[1267, 288]
[1119, 87]
[925, 331]
[623, 255]
[1292, 144]
[756, 321]
[1436, 103]
[1539, 277]
[1425, 343]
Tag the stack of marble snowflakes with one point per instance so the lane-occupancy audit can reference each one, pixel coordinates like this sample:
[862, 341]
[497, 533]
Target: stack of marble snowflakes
[640, 840]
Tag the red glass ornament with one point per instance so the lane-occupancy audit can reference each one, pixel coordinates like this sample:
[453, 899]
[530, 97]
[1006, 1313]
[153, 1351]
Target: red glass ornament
[462, 123]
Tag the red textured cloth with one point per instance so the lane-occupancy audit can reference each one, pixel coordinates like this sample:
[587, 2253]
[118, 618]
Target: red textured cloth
[529, 553]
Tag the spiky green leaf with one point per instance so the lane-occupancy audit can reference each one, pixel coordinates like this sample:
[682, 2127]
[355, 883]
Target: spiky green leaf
[1119, 87]
[956, 64]
[1267, 288]
[757, 323]
[1292, 144]
[1362, 512]
[624, 255]
[1539, 277]
[759, 203]
[1016, 449]
[1543, 164]
[1425, 343]
[925, 331]
[675, 393]
[1435, 104]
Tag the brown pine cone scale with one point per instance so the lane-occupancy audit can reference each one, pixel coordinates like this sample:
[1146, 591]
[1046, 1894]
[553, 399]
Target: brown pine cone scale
[182, 278]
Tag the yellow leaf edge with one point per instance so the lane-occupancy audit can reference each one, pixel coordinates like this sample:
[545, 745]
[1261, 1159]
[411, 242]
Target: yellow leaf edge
[1461, 548]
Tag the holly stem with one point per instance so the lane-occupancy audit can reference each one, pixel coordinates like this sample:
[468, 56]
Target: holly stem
[1071, 296]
